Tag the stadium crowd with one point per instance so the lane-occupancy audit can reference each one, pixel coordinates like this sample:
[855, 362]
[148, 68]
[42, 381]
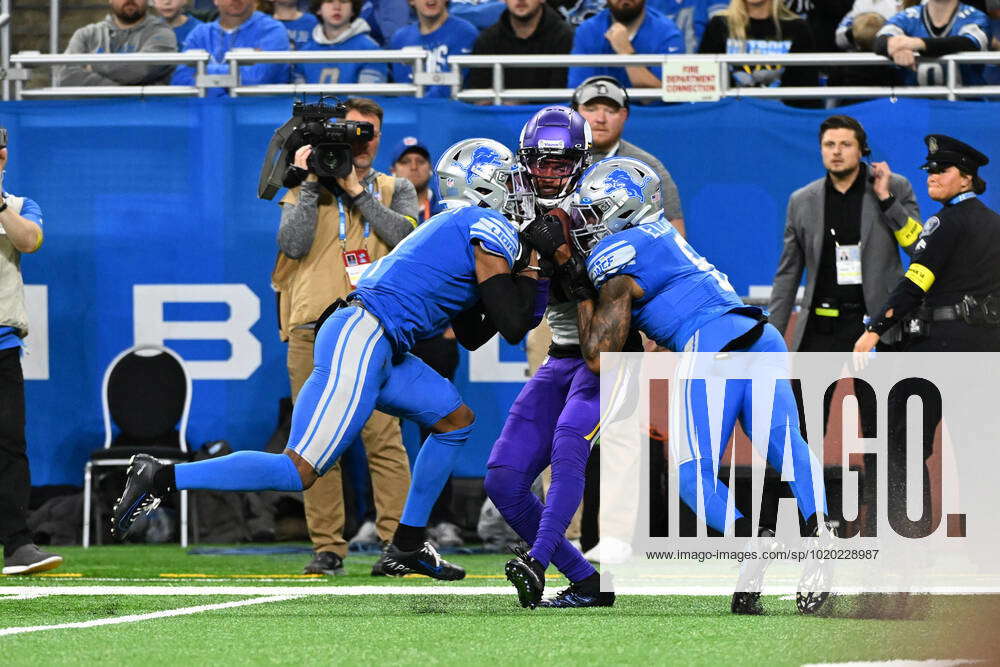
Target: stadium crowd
[901, 30]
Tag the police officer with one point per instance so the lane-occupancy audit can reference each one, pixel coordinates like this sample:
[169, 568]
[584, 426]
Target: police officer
[949, 299]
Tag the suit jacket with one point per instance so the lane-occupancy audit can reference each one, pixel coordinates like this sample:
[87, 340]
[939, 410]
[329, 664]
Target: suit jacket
[881, 235]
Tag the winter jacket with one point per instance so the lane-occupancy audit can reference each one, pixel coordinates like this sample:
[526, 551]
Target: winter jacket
[150, 35]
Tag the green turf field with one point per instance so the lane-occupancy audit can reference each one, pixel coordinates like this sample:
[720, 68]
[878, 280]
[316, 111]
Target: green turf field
[273, 617]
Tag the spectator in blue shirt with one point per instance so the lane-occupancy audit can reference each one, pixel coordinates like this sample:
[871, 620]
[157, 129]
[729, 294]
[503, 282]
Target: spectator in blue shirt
[439, 34]
[690, 16]
[299, 24]
[340, 29]
[172, 11]
[625, 27]
[238, 26]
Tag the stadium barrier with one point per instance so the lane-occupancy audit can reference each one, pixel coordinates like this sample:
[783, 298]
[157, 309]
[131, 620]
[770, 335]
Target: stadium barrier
[154, 234]
[951, 86]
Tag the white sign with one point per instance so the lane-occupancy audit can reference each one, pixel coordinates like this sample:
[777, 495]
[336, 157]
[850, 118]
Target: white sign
[691, 81]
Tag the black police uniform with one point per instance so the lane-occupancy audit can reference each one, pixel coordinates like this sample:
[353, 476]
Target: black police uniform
[949, 299]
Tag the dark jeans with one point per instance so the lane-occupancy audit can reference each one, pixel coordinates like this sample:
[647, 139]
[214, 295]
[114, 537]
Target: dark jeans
[15, 479]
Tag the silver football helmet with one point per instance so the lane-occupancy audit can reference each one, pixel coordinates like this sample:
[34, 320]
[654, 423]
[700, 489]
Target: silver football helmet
[613, 194]
[483, 172]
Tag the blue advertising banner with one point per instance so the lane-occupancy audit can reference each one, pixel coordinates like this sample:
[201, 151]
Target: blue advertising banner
[153, 233]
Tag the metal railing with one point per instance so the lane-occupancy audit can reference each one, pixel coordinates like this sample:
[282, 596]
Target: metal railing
[952, 87]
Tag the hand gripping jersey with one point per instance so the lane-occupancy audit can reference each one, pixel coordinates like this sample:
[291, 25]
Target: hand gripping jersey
[430, 277]
[682, 290]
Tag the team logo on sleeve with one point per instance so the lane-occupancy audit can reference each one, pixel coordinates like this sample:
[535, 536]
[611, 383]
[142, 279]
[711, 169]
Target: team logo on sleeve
[932, 224]
[618, 179]
[481, 159]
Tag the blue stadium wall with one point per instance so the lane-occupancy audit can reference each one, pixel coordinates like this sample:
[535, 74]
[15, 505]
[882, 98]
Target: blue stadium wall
[154, 232]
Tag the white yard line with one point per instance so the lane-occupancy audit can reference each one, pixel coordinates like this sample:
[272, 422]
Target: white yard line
[183, 611]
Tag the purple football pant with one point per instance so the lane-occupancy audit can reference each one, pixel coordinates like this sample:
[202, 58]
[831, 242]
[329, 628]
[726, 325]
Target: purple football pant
[551, 422]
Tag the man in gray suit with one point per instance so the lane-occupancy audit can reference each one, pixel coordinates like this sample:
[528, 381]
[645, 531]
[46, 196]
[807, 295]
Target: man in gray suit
[845, 230]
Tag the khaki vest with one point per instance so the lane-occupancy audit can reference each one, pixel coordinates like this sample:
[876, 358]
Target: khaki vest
[307, 286]
[12, 312]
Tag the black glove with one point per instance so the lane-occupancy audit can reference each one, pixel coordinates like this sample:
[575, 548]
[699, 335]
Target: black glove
[575, 281]
[523, 258]
[545, 234]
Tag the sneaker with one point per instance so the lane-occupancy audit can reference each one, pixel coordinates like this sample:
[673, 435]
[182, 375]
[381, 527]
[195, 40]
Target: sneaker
[610, 551]
[378, 569]
[446, 535]
[137, 498]
[579, 595]
[817, 573]
[528, 577]
[325, 562]
[746, 598]
[424, 560]
[28, 559]
[367, 536]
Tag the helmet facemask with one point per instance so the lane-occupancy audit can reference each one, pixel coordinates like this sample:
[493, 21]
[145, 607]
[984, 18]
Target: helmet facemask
[553, 173]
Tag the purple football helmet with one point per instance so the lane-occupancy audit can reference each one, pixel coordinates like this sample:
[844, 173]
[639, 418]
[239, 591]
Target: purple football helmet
[554, 151]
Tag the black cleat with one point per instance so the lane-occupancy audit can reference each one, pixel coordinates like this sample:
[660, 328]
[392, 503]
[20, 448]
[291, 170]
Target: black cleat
[425, 560]
[746, 598]
[817, 573]
[137, 498]
[528, 577]
[378, 569]
[326, 562]
[578, 595]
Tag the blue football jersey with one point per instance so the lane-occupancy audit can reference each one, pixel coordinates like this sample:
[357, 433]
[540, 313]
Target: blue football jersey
[966, 22]
[682, 291]
[454, 37]
[430, 277]
[300, 29]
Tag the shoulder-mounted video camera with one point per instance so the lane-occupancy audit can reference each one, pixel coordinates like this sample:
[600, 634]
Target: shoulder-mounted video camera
[321, 126]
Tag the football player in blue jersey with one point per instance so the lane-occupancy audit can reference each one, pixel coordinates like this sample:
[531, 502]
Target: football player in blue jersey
[465, 267]
[932, 29]
[648, 277]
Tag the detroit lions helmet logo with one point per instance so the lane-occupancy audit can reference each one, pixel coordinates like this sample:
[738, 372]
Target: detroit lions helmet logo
[619, 179]
[484, 156]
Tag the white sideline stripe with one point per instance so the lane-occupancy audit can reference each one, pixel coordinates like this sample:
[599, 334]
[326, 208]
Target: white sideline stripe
[294, 591]
[132, 618]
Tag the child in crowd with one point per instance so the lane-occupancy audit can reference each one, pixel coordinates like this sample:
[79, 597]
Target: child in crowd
[340, 29]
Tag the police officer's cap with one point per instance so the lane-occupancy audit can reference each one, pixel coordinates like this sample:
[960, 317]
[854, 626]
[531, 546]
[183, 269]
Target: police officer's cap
[944, 151]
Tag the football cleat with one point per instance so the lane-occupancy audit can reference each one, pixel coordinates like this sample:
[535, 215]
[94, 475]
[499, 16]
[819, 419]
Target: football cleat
[578, 595]
[817, 573]
[746, 598]
[528, 577]
[137, 498]
[378, 568]
[425, 560]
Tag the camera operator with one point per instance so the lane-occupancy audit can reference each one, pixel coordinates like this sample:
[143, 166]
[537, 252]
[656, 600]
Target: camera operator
[331, 230]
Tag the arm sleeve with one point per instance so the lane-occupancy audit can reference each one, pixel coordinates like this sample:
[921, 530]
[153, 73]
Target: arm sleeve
[394, 222]
[787, 277]
[298, 222]
[472, 329]
[942, 46]
[509, 302]
[30, 210]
